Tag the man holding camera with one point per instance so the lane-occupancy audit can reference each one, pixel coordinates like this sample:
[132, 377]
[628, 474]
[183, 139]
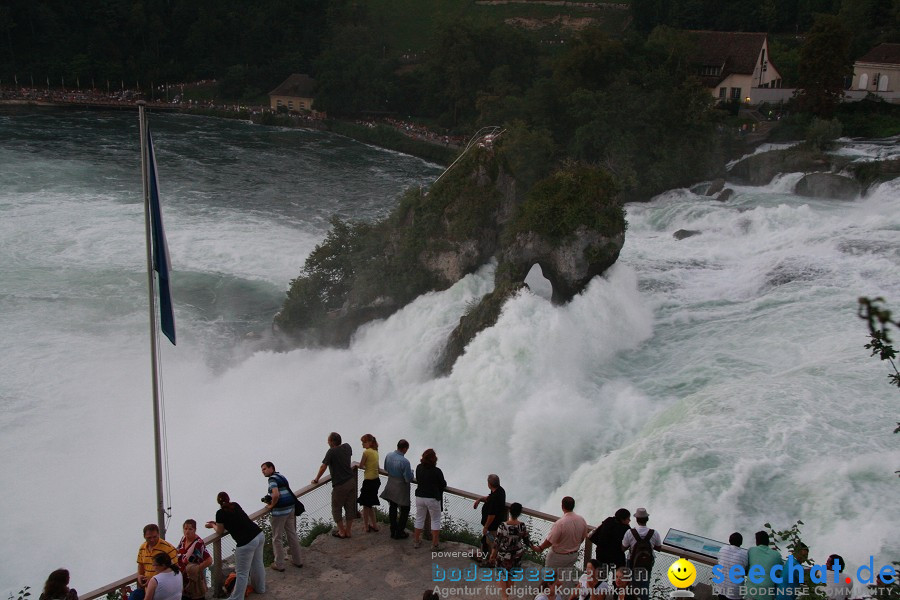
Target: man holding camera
[281, 502]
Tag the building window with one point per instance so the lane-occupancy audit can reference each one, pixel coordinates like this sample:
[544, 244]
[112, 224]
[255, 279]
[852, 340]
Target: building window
[882, 83]
[722, 93]
[863, 81]
[291, 104]
[278, 102]
[710, 71]
[736, 94]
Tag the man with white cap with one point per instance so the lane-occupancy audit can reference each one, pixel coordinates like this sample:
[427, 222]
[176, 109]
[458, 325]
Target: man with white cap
[641, 542]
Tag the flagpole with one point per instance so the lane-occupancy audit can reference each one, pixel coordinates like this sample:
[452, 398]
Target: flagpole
[160, 507]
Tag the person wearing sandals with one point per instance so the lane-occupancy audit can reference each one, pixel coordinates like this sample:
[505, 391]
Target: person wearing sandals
[368, 496]
[343, 484]
[509, 548]
[193, 559]
[430, 486]
[248, 555]
[57, 587]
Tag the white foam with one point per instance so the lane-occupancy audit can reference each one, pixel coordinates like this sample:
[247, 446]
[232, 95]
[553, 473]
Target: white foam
[719, 380]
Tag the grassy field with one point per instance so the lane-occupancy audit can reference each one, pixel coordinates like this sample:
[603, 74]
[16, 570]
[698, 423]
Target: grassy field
[409, 26]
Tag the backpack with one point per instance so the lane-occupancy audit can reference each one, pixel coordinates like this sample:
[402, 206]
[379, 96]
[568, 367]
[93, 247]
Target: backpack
[642, 551]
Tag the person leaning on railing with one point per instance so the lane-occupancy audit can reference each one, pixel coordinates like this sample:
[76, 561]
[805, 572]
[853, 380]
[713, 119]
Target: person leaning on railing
[248, 555]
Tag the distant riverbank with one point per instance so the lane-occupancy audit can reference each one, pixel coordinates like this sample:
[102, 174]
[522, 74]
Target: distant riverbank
[406, 138]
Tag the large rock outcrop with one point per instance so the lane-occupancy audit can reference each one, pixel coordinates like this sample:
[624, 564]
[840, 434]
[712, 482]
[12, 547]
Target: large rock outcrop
[827, 185]
[569, 223]
[760, 169]
[875, 172]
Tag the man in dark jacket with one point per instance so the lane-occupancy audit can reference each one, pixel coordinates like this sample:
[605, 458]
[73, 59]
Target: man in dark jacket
[492, 514]
[608, 540]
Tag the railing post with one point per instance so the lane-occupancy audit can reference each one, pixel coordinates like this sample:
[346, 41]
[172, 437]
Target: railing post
[217, 568]
[588, 550]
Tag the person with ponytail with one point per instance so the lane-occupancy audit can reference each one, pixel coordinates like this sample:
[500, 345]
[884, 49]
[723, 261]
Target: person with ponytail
[248, 555]
[167, 583]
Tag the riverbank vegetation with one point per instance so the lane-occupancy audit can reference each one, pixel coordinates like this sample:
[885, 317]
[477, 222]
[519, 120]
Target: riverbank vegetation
[595, 88]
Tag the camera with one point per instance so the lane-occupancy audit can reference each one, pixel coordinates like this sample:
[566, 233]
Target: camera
[267, 499]
[193, 559]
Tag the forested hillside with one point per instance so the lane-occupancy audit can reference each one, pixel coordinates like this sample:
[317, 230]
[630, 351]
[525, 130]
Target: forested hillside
[568, 82]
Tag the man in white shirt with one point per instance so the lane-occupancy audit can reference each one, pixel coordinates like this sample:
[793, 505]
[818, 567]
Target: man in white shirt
[730, 556]
[641, 543]
[839, 590]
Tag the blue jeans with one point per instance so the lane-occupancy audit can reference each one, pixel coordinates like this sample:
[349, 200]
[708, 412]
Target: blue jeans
[248, 567]
[137, 594]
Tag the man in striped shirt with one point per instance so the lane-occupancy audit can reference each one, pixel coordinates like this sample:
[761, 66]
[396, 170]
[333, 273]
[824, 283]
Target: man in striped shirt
[153, 545]
[284, 521]
[729, 556]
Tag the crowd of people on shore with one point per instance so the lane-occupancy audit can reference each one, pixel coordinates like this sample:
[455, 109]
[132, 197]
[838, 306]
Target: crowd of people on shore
[416, 131]
[117, 98]
[620, 569]
[93, 97]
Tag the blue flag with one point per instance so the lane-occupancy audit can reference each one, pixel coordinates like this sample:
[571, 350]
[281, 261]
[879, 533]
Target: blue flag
[161, 262]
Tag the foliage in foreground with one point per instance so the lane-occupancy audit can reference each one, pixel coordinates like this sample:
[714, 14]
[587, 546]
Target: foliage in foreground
[881, 323]
[23, 594]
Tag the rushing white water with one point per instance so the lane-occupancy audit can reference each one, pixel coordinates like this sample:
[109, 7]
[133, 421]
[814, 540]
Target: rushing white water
[719, 380]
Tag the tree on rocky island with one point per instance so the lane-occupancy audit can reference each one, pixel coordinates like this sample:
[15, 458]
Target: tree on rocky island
[824, 61]
[569, 222]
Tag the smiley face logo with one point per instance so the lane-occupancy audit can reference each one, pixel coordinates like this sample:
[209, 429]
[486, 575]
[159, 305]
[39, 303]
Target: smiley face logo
[682, 573]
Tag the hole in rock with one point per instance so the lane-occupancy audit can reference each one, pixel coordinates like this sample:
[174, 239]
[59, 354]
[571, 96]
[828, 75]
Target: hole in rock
[539, 284]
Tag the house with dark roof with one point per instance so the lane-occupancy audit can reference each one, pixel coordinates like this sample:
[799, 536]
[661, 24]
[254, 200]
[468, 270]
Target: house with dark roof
[734, 64]
[878, 71]
[296, 93]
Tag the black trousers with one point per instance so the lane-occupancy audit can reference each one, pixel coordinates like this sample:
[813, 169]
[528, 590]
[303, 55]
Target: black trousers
[398, 521]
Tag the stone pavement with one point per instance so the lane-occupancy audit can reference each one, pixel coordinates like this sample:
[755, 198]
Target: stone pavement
[372, 566]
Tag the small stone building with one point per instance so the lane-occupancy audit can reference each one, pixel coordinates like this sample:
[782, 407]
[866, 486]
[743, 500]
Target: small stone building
[878, 71]
[296, 93]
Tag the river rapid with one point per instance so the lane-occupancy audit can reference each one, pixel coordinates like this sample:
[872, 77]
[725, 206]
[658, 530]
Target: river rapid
[720, 381]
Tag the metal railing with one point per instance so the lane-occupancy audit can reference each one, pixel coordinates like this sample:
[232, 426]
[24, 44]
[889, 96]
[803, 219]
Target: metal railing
[458, 518]
[221, 547]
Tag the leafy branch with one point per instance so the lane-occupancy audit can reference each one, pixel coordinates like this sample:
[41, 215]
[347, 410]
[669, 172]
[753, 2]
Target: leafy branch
[22, 595]
[791, 536]
[880, 324]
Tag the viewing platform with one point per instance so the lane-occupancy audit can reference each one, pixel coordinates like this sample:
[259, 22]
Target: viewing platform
[375, 567]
